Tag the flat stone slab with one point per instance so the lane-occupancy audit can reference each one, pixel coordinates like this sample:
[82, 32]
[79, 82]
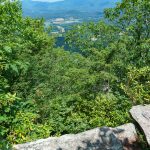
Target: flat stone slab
[96, 139]
[142, 115]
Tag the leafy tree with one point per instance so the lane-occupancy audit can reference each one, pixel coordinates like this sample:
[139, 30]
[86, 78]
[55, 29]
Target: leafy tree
[133, 18]
[49, 91]
[113, 46]
[137, 85]
[20, 40]
[66, 91]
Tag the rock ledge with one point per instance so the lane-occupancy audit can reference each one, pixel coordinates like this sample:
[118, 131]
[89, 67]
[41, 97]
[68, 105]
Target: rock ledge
[142, 115]
[96, 139]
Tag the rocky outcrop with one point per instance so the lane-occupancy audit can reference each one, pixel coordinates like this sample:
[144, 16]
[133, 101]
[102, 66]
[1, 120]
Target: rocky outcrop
[142, 115]
[96, 139]
[128, 136]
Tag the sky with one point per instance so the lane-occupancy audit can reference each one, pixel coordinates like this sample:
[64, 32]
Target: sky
[50, 1]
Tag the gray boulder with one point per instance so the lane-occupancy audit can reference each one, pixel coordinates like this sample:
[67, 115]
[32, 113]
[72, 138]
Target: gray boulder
[142, 115]
[128, 136]
[96, 139]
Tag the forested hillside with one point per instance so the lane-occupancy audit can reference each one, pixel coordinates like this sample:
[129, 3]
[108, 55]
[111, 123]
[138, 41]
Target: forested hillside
[47, 91]
[63, 8]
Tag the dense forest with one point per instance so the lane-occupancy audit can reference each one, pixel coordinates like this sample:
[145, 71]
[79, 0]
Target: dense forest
[48, 91]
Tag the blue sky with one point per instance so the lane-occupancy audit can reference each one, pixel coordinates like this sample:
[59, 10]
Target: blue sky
[50, 1]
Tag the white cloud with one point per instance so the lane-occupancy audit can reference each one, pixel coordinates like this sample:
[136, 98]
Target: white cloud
[49, 1]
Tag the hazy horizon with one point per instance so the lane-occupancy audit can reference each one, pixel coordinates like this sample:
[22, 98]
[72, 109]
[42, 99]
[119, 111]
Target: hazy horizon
[58, 8]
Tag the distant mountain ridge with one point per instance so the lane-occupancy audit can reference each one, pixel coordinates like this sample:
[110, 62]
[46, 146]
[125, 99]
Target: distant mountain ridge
[63, 8]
